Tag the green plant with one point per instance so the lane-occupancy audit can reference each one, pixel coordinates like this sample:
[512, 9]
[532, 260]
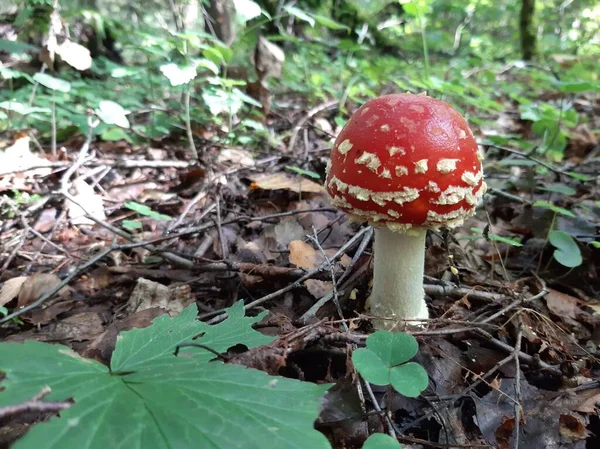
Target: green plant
[151, 398]
[385, 361]
[567, 252]
[144, 210]
[381, 441]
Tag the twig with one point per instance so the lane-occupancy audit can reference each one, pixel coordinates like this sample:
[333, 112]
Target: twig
[310, 313]
[298, 282]
[101, 162]
[188, 122]
[46, 296]
[34, 405]
[514, 304]
[518, 407]
[527, 156]
[302, 122]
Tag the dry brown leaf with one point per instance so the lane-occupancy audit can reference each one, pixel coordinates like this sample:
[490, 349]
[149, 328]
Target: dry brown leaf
[149, 294]
[35, 286]
[572, 427]
[317, 288]
[283, 181]
[238, 158]
[302, 254]
[10, 289]
[563, 305]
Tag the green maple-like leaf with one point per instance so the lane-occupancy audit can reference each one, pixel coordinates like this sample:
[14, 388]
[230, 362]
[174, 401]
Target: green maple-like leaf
[151, 399]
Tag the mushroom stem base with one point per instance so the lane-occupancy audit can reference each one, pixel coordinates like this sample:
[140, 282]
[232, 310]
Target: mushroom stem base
[398, 293]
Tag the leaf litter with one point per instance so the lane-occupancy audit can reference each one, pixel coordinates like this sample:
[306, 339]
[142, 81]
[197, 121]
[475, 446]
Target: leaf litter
[246, 228]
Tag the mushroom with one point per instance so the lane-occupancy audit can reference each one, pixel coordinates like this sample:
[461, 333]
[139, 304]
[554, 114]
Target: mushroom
[404, 163]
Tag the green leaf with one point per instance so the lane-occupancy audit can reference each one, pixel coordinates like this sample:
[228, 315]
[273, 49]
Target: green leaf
[178, 75]
[329, 23]
[246, 10]
[559, 188]
[393, 348]
[513, 241]
[301, 171]
[154, 400]
[131, 225]
[382, 362]
[3, 311]
[52, 83]
[112, 113]
[409, 379]
[16, 47]
[299, 14]
[371, 367]
[114, 134]
[595, 244]
[577, 86]
[381, 441]
[567, 252]
[23, 109]
[144, 210]
[553, 208]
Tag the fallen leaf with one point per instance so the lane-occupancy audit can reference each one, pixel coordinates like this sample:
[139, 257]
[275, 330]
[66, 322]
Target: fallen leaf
[149, 294]
[572, 427]
[86, 198]
[35, 286]
[10, 289]
[302, 254]
[238, 158]
[283, 181]
[563, 305]
[317, 288]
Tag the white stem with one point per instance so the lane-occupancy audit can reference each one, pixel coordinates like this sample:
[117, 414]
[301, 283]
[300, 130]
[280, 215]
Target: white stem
[398, 279]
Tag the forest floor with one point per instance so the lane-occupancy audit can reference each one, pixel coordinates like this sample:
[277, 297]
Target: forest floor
[513, 332]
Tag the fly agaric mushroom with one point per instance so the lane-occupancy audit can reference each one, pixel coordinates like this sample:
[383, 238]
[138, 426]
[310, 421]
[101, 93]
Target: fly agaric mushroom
[405, 163]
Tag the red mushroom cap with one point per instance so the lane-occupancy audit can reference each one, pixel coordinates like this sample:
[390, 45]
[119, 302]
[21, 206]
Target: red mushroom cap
[406, 160]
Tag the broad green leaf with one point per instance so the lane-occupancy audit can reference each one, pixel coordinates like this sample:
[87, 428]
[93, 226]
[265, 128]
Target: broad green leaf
[8, 74]
[140, 346]
[246, 10]
[16, 47]
[52, 83]
[113, 134]
[595, 244]
[178, 75]
[567, 252]
[371, 367]
[393, 348]
[207, 64]
[410, 379]
[553, 208]
[23, 109]
[112, 113]
[299, 14]
[382, 362]
[381, 441]
[144, 210]
[159, 401]
[577, 86]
